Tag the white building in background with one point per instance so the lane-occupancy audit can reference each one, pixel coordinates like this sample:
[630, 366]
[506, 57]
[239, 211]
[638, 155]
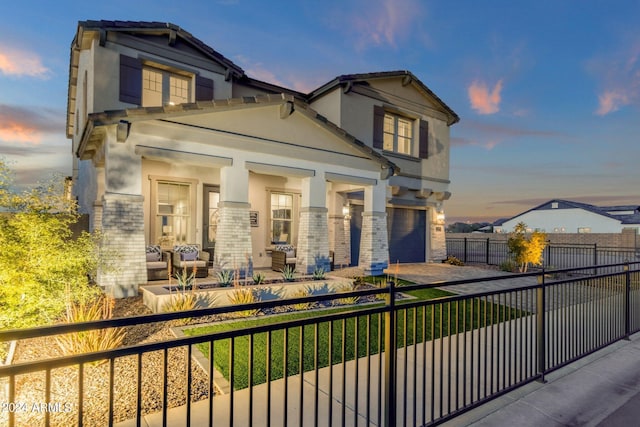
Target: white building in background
[565, 216]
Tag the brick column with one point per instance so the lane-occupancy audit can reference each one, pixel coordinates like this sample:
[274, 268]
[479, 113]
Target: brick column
[437, 239]
[312, 249]
[123, 262]
[340, 239]
[374, 242]
[233, 239]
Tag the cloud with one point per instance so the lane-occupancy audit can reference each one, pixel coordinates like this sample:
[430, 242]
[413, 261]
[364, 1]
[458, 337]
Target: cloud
[483, 100]
[15, 62]
[380, 23]
[18, 124]
[610, 101]
[619, 76]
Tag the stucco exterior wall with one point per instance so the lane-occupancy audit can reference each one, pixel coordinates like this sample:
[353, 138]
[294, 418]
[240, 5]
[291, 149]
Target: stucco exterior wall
[564, 221]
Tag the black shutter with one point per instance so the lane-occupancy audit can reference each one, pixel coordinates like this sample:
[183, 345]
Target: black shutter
[423, 144]
[204, 89]
[130, 80]
[378, 127]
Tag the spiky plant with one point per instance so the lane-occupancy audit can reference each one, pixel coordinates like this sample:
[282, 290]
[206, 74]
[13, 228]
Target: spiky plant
[288, 273]
[244, 296]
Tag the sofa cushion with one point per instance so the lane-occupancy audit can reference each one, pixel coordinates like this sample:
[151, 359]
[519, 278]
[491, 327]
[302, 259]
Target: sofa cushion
[154, 253]
[284, 248]
[189, 264]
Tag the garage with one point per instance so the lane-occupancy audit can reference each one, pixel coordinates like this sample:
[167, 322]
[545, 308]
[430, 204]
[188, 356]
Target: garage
[406, 231]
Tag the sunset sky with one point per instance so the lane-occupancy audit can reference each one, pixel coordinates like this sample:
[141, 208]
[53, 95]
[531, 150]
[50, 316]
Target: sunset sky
[548, 92]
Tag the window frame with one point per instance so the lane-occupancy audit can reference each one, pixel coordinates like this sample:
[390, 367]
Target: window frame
[419, 132]
[294, 220]
[154, 214]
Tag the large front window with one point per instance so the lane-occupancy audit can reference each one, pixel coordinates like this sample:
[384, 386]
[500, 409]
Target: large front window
[173, 213]
[161, 87]
[282, 217]
[398, 134]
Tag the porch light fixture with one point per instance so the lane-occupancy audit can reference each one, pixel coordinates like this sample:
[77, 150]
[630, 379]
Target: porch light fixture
[346, 212]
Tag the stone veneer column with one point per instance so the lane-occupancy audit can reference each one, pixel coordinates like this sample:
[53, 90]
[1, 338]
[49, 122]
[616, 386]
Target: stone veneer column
[374, 242]
[123, 247]
[340, 239]
[233, 239]
[437, 239]
[312, 250]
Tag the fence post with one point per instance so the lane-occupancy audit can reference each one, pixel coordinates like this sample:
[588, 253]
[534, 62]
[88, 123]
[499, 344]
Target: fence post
[390, 358]
[540, 326]
[548, 257]
[465, 250]
[487, 259]
[627, 302]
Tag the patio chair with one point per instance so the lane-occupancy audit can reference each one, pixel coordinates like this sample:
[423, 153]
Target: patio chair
[186, 256]
[157, 263]
[281, 256]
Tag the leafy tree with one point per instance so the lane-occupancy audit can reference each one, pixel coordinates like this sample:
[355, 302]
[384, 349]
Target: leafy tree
[43, 267]
[526, 248]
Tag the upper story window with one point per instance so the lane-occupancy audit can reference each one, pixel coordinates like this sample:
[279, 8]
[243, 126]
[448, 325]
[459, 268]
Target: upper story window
[396, 133]
[143, 85]
[160, 87]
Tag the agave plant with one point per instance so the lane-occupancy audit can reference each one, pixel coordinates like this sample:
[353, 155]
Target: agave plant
[288, 273]
[225, 277]
[258, 278]
[318, 273]
[244, 296]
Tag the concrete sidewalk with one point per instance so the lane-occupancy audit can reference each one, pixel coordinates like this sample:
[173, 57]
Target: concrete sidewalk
[602, 389]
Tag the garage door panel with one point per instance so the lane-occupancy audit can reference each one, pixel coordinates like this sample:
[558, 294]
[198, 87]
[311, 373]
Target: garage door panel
[407, 235]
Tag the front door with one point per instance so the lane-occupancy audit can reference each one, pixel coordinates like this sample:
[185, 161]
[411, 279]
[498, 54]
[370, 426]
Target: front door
[210, 199]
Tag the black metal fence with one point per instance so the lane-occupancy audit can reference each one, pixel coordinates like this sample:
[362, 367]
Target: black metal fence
[334, 367]
[555, 256]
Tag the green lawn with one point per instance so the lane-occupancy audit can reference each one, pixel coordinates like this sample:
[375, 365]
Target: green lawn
[423, 323]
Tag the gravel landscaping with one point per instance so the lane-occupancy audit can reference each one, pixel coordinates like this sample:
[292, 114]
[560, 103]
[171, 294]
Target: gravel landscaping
[30, 389]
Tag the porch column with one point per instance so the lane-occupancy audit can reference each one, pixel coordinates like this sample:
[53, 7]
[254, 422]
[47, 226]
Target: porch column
[122, 262]
[374, 242]
[233, 239]
[340, 232]
[312, 250]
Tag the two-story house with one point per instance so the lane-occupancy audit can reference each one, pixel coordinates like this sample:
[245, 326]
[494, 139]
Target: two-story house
[174, 143]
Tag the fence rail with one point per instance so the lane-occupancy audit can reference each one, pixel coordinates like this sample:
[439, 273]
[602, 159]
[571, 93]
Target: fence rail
[404, 361]
[555, 256]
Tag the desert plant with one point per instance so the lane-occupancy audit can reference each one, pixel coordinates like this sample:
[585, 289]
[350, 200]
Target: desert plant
[94, 340]
[288, 273]
[258, 278]
[225, 277]
[451, 260]
[346, 300]
[186, 279]
[300, 293]
[318, 273]
[508, 265]
[244, 296]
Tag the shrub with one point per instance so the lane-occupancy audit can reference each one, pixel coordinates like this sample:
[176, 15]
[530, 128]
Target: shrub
[508, 265]
[347, 300]
[43, 265]
[453, 261]
[300, 293]
[94, 340]
[526, 248]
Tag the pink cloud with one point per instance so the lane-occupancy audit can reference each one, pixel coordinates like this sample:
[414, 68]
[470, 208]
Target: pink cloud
[27, 125]
[611, 101]
[483, 100]
[21, 63]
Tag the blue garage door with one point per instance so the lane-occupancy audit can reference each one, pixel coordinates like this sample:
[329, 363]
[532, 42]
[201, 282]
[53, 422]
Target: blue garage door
[406, 231]
[407, 235]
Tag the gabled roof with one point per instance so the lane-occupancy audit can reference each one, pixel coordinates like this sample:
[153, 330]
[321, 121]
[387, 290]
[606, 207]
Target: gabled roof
[131, 115]
[606, 211]
[154, 27]
[408, 78]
